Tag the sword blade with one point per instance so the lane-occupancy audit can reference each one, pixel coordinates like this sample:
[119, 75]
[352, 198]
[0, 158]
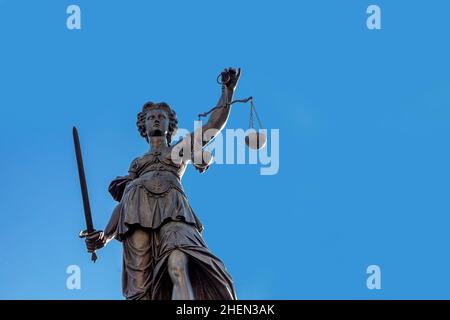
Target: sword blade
[83, 185]
[84, 190]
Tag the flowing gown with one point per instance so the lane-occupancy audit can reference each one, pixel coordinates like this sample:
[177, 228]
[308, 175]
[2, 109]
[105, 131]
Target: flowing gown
[152, 219]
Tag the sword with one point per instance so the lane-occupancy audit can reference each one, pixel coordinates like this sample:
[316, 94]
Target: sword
[84, 190]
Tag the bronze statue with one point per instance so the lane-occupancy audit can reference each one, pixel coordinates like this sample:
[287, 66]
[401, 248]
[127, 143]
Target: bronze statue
[164, 255]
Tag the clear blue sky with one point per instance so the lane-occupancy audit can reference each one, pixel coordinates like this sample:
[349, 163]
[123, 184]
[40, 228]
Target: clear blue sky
[364, 119]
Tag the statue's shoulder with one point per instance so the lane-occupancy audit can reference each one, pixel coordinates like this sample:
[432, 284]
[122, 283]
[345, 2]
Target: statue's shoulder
[137, 163]
[142, 160]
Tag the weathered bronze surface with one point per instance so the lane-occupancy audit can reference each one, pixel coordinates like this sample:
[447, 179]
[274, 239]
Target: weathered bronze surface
[164, 255]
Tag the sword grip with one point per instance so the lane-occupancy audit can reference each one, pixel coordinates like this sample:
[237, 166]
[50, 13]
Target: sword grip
[83, 234]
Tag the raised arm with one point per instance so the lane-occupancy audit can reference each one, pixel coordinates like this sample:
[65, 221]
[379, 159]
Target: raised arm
[219, 116]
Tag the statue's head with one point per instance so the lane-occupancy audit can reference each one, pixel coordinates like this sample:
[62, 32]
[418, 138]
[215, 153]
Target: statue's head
[157, 119]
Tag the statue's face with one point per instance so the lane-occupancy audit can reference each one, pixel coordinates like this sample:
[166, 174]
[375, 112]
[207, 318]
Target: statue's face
[156, 122]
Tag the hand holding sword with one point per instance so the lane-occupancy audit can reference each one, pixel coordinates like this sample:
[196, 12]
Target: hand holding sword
[94, 239]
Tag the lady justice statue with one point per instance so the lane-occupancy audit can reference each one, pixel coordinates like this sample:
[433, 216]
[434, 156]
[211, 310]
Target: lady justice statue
[164, 255]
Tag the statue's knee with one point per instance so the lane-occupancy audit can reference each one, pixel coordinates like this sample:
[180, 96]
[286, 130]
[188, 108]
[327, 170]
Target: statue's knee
[177, 265]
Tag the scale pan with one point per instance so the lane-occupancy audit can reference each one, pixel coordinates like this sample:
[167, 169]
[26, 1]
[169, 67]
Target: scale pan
[255, 140]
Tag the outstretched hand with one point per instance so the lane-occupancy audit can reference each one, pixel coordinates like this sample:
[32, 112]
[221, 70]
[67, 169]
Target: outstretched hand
[230, 77]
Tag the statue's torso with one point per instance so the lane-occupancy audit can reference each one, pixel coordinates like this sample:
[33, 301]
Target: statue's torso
[157, 172]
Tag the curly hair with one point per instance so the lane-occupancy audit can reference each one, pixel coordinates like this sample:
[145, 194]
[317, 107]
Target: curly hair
[173, 121]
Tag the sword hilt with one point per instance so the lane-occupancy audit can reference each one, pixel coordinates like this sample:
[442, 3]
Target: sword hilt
[84, 234]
